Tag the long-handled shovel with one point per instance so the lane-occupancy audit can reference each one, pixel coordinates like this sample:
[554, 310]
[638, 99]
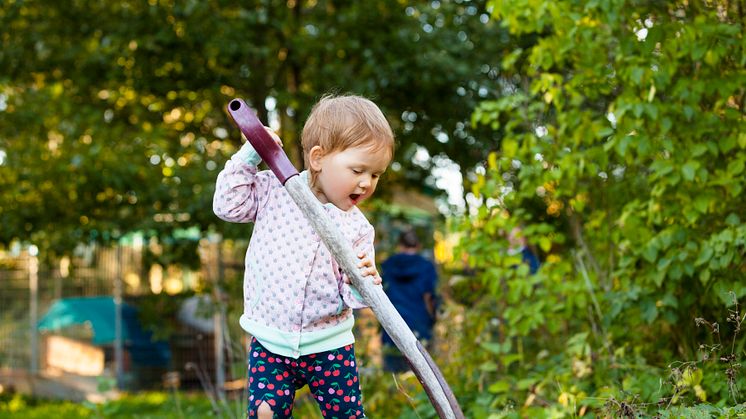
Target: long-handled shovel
[422, 364]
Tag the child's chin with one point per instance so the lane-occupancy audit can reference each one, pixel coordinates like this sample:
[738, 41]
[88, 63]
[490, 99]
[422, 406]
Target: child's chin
[344, 206]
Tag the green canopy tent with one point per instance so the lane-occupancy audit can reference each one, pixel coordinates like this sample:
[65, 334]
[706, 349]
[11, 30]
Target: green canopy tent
[99, 314]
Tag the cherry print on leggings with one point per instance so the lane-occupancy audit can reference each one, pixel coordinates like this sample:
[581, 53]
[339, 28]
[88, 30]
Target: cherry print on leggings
[331, 376]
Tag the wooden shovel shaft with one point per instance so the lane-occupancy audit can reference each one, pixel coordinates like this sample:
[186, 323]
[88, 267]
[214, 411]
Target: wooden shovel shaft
[426, 371]
[424, 368]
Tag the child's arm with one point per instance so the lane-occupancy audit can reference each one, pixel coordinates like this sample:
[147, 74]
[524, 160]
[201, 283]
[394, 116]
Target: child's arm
[240, 191]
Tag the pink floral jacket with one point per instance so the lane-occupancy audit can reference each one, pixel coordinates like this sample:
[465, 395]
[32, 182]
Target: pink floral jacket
[296, 301]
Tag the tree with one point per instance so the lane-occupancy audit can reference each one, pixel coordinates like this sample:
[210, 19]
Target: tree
[622, 157]
[112, 113]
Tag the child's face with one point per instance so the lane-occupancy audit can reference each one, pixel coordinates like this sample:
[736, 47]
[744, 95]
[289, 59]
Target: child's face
[345, 178]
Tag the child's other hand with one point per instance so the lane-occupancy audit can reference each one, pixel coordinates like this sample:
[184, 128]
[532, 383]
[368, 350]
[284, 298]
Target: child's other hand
[273, 135]
[368, 268]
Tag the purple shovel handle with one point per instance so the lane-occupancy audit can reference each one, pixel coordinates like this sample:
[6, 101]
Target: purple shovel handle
[272, 154]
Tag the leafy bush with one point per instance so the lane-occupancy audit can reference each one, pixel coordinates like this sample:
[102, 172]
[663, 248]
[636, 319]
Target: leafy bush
[621, 161]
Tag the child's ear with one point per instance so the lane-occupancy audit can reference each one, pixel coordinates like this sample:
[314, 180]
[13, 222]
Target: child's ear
[314, 158]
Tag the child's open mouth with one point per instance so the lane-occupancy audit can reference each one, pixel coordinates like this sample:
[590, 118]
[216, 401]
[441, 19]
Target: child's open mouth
[354, 197]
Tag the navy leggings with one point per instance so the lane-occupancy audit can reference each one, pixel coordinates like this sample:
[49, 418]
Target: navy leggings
[331, 376]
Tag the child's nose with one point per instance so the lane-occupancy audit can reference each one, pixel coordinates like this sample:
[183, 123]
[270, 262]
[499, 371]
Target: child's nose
[364, 182]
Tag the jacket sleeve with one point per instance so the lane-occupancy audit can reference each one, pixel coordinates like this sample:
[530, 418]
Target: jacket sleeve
[240, 191]
[365, 243]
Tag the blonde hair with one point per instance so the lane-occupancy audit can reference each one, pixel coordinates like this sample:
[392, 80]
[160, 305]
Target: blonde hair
[337, 123]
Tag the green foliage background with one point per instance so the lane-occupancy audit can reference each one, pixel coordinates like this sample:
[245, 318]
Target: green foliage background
[611, 132]
[621, 156]
[112, 115]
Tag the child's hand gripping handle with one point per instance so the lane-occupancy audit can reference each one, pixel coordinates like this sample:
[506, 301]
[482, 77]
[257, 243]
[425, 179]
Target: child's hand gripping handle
[270, 152]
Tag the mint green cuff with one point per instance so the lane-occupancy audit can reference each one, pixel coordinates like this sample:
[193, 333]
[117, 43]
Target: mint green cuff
[247, 154]
[355, 293]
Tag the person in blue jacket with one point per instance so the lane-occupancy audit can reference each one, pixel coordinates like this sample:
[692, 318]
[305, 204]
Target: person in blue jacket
[409, 281]
[518, 244]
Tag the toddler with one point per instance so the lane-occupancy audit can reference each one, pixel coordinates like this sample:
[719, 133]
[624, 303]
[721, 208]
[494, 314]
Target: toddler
[297, 301]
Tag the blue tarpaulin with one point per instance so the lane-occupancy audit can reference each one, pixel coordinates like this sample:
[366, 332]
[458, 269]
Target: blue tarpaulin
[99, 312]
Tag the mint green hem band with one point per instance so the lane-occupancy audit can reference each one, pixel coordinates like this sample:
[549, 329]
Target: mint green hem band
[248, 154]
[295, 345]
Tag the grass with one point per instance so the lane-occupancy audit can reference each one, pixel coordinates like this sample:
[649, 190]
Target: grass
[385, 397]
[141, 405]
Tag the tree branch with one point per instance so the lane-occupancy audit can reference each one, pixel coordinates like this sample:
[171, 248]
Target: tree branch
[577, 233]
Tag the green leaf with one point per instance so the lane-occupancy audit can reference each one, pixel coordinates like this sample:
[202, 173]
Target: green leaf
[704, 255]
[698, 51]
[622, 144]
[658, 278]
[701, 203]
[652, 111]
[675, 272]
[509, 147]
[661, 168]
[689, 169]
[663, 264]
[733, 219]
[650, 252]
[545, 243]
[509, 60]
[688, 112]
[493, 347]
[638, 109]
[508, 359]
[499, 387]
[492, 161]
[734, 189]
[727, 143]
[735, 167]
[605, 132]
[636, 75]
[488, 366]
[526, 383]
[649, 311]
[666, 124]
[699, 150]
[670, 300]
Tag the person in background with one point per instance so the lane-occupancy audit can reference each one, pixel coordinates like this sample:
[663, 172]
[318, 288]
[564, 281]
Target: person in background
[518, 245]
[409, 281]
